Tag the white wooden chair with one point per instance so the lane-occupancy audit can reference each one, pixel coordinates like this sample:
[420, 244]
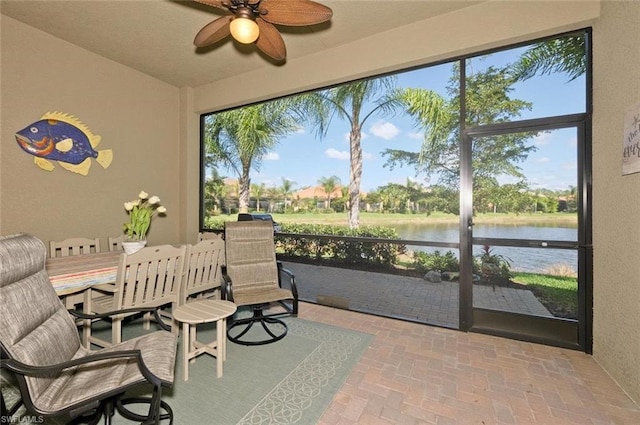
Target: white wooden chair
[73, 246]
[202, 276]
[149, 278]
[115, 244]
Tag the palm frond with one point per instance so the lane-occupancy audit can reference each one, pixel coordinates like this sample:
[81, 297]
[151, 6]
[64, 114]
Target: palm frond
[561, 55]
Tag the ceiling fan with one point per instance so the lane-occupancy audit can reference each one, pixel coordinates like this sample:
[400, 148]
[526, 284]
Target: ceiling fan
[253, 21]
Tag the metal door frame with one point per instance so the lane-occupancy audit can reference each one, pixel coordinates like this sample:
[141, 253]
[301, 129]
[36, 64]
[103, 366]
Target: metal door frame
[551, 331]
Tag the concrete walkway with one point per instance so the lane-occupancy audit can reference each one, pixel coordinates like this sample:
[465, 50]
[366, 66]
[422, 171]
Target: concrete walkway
[403, 297]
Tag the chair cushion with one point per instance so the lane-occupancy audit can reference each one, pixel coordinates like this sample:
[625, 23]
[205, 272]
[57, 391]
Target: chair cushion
[260, 296]
[37, 330]
[94, 380]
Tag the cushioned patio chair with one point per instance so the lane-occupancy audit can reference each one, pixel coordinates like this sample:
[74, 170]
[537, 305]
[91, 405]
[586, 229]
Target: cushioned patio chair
[58, 377]
[252, 277]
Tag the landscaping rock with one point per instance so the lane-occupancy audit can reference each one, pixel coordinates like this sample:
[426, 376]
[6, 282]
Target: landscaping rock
[433, 276]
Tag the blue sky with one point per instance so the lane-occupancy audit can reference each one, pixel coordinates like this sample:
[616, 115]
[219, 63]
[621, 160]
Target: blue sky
[305, 159]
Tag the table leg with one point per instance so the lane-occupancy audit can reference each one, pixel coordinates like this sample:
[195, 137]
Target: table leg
[192, 342]
[223, 330]
[186, 344]
[219, 346]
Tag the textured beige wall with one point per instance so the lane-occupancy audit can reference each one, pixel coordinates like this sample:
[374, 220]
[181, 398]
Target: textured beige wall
[137, 116]
[616, 198]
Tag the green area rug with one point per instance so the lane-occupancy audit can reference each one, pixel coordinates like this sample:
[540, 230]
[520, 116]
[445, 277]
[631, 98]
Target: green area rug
[291, 381]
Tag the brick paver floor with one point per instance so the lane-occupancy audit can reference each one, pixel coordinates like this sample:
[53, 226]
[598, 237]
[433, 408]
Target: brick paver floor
[408, 298]
[418, 374]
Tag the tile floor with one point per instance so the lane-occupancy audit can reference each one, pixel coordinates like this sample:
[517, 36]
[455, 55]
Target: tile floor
[420, 374]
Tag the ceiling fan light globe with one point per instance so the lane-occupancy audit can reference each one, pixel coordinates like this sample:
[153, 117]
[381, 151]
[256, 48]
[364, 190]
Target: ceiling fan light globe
[244, 30]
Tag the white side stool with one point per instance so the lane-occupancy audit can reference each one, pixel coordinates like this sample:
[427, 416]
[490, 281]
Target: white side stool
[206, 311]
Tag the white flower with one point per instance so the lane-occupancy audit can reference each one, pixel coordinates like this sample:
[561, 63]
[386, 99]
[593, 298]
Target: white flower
[141, 211]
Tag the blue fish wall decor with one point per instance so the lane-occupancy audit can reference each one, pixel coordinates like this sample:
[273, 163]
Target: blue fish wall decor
[61, 137]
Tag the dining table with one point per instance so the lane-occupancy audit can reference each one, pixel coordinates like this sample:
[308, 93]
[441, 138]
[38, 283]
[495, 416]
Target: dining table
[72, 275]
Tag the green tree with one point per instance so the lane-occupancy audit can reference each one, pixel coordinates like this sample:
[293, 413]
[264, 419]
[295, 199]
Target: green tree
[214, 192]
[329, 185]
[286, 189]
[348, 102]
[258, 190]
[272, 194]
[239, 138]
[487, 102]
[394, 196]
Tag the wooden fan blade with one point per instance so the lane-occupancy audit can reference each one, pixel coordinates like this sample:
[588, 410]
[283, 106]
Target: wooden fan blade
[295, 12]
[270, 41]
[214, 3]
[213, 32]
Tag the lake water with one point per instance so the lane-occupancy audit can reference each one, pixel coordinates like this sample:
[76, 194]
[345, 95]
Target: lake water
[521, 259]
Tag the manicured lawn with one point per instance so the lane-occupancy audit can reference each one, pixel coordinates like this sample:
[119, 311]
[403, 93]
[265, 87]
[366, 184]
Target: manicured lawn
[558, 293]
[382, 219]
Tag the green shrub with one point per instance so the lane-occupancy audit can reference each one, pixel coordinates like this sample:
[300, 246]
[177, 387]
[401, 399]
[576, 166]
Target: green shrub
[424, 261]
[492, 268]
[214, 224]
[338, 251]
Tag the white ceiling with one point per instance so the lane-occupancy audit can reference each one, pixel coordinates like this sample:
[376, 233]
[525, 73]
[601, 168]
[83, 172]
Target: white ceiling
[156, 36]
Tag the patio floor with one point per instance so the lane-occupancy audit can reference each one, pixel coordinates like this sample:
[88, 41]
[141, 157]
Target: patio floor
[402, 297]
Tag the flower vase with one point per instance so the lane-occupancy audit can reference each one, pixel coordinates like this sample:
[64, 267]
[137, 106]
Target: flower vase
[131, 247]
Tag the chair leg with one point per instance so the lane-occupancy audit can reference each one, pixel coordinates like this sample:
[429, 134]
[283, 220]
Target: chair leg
[156, 406]
[146, 321]
[116, 330]
[258, 317]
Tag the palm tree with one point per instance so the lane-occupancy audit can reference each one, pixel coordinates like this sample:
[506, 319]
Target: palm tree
[394, 196]
[272, 194]
[239, 138]
[348, 100]
[258, 190]
[329, 185]
[214, 191]
[565, 54]
[286, 189]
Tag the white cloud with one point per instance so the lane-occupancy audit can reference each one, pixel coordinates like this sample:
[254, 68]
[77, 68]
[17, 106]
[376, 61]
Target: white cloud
[336, 154]
[271, 156]
[418, 135]
[544, 159]
[542, 139]
[385, 130]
